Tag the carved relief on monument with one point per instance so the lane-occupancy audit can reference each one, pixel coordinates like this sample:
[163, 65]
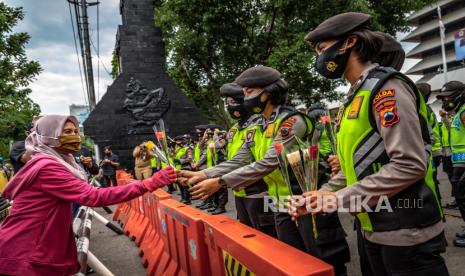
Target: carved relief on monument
[145, 106]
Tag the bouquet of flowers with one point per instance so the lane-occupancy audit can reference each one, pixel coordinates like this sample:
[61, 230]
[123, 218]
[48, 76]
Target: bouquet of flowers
[160, 134]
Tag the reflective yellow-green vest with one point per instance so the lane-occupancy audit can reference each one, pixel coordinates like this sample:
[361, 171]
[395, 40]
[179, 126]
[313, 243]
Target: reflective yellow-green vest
[197, 152]
[361, 153]
[457, 138]
[179, 154]
[436, 144]
[259, 141]
[235, 139]
[164, 165]
[154, 162]
[445, 137]
[324, 144]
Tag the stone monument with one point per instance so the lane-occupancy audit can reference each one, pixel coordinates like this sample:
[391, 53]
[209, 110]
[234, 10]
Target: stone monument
[143, 92]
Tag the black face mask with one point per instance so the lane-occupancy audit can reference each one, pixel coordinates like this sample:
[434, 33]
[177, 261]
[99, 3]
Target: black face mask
[448, 106]
[254, 105]
[330, 64]
[237, 111]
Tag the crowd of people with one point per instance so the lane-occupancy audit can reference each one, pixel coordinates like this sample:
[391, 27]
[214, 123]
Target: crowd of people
[382, 149]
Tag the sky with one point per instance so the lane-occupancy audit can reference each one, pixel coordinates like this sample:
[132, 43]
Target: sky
[52, 45]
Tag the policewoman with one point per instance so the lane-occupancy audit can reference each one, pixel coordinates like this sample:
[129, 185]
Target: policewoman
[249, 201]
[385, 153]
[266, 94]
[453, 98]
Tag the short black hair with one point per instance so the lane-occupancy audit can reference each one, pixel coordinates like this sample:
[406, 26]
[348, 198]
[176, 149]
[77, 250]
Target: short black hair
[108, 148]
[368, 44]
[278, 92]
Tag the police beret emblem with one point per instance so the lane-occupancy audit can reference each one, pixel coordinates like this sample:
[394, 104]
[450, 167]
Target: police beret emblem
[331, 66]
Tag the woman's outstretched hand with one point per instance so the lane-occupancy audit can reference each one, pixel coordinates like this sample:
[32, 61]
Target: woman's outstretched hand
[160, 179]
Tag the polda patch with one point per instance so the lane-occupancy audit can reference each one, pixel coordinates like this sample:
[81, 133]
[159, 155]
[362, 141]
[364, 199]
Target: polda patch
[389, 93]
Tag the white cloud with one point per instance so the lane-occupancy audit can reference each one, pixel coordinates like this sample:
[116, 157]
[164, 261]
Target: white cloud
[52, 44]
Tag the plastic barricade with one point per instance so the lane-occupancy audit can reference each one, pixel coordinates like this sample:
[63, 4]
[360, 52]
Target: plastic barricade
[152, 245]
[182, 233]
[236, 249]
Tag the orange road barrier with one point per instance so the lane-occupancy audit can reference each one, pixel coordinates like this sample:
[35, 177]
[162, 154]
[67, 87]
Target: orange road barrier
[176, 239]
[236, 249]
[185, 252]
[152, 246]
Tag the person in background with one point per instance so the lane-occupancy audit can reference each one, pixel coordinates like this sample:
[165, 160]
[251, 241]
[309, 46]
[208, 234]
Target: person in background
[143, 165]
[453, 99]
[37, 237]
[85, 158]
[4, 175]
[186, 164]
[109, 165]
[18, 154]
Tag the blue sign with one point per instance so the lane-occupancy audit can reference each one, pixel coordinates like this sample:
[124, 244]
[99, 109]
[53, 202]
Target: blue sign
[460, 45]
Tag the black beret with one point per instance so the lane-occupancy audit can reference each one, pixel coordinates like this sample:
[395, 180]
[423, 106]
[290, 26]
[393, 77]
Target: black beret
[201, 127]
[424, 88]
[258, 76]
[213, 126]
[338, 25]
[451, 88]
[233, 90]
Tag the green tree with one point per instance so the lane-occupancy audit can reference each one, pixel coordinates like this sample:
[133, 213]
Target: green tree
[210, 42]
[16, 72]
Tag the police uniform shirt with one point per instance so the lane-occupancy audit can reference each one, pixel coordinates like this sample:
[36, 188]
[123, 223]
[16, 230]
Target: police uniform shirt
[408, 163]
[243, 170]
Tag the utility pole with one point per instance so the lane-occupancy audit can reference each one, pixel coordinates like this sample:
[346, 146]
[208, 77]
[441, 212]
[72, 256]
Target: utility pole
[442, 30]
[88, 56]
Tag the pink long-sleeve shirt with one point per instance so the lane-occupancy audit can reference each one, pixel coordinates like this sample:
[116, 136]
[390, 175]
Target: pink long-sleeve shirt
[37, 237]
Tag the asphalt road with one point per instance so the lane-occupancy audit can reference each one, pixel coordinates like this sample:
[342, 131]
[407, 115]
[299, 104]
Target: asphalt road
[120, 254]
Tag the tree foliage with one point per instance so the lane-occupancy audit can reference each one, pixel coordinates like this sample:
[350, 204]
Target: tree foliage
[208, 43]
[16, 72]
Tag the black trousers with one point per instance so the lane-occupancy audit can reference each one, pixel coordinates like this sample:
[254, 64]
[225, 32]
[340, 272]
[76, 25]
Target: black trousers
[458, 187]
[417, 260]
[109, 180]
[300, 235]
[185, 195]
[447, 166]
[250, 211]
[437, 163]
[220, 198]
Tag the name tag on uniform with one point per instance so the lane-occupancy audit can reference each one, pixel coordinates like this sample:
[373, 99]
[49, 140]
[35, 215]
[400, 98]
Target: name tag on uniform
[355, 107]
[249, 138]
[231, 134]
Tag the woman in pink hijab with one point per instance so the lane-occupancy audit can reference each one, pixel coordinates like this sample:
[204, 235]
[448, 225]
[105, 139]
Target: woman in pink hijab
[37, 237]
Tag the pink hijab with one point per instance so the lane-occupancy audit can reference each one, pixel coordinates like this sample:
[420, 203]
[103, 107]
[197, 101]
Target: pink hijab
[45, 138]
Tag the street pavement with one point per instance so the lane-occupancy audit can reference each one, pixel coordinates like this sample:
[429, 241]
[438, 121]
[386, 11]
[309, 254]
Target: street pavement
[120, 254]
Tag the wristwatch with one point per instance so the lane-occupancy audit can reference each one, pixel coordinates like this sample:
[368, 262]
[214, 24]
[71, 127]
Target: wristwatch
[222, 183]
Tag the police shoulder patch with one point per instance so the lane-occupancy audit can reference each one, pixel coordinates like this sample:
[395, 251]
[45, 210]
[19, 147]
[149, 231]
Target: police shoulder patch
[285, 129]
[388, 93]
[387, 112]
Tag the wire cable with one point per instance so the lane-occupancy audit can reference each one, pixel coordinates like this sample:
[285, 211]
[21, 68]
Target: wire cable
[77, 55]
